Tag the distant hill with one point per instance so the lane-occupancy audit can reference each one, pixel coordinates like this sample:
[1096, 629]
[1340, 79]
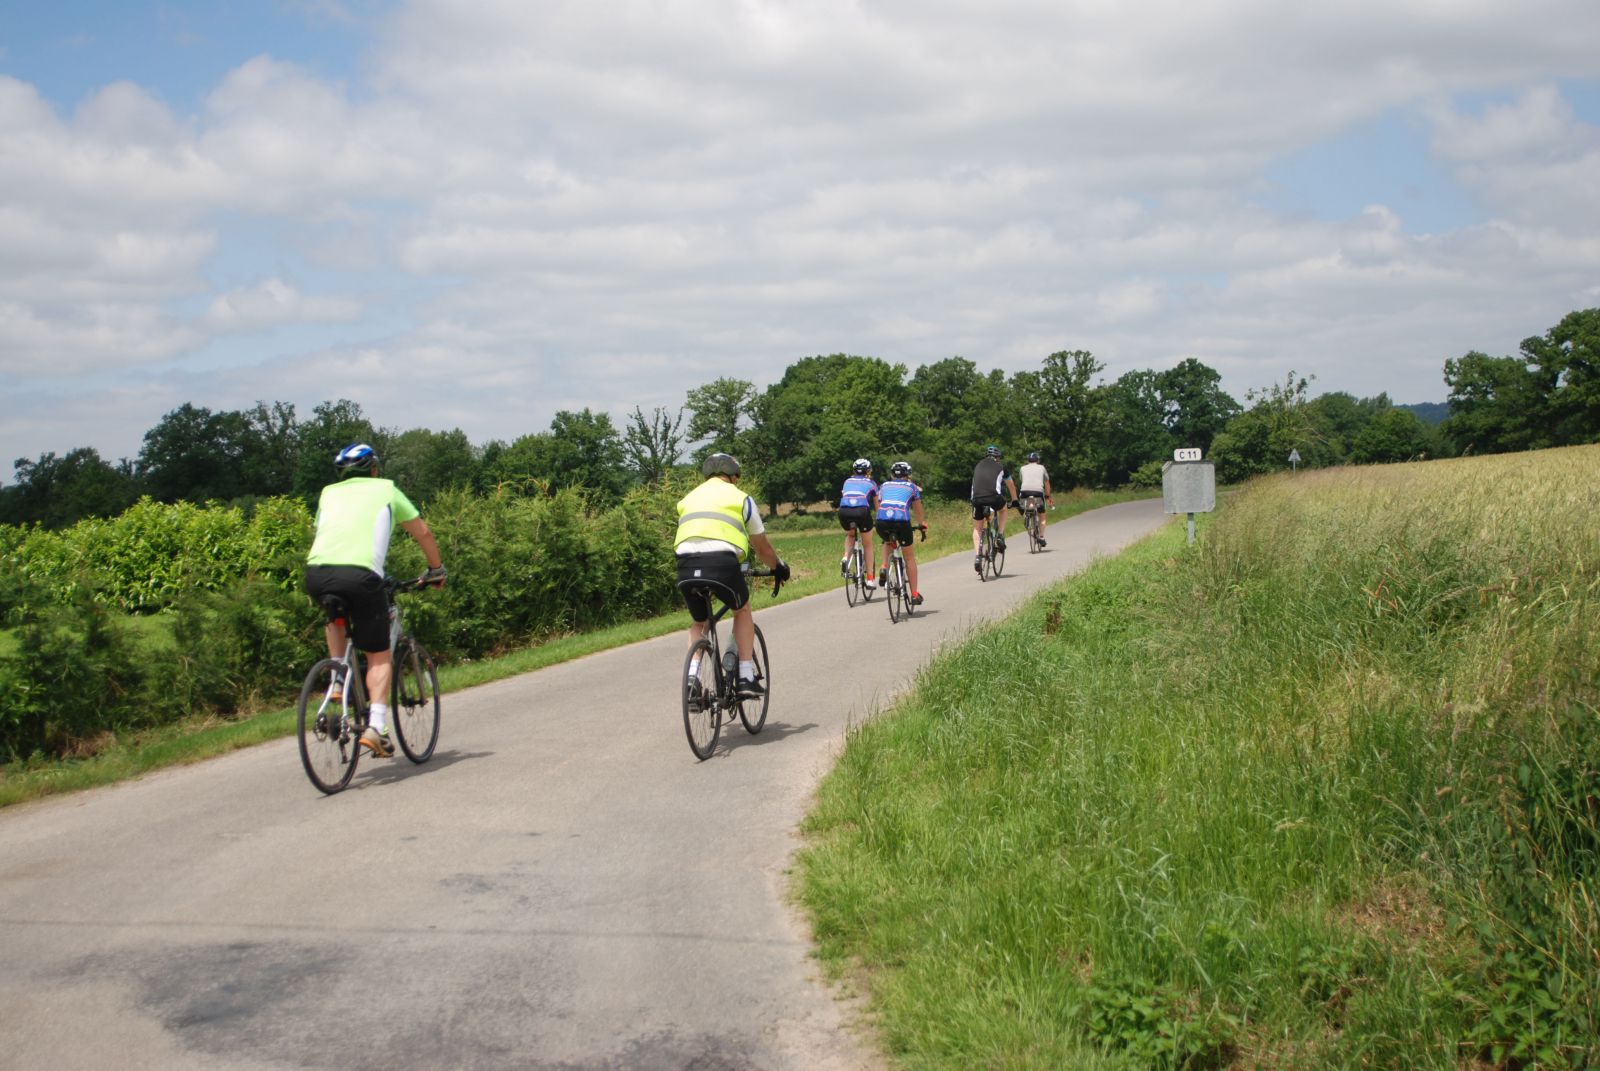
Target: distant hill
[1428, 412]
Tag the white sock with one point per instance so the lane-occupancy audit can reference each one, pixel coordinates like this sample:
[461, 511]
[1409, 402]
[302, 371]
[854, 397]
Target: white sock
[378, 717]
[747, 671]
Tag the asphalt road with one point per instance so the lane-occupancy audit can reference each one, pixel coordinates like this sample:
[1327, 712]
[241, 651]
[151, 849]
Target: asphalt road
[562, 886]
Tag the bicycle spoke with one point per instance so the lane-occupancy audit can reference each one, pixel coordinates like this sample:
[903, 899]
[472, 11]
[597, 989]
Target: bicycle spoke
[414, 698]
[702, 721]
[328, 748]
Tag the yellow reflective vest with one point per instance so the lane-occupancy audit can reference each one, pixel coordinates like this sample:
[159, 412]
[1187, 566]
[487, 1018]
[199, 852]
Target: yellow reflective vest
[714, 510]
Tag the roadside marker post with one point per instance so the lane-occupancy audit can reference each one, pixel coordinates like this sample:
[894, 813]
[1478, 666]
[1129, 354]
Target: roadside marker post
[1188, 485]
[1294, 460]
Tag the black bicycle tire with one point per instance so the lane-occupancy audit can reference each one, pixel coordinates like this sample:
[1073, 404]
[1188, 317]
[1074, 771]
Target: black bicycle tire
[905, 590]
[892, 595]
[412, 659]
[852, 578]
[985, 552]
[318, 673]
[764, 675]
[997, 559]
[1031, 522]
[710, 697]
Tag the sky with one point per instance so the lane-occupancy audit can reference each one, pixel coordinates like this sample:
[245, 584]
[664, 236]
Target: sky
[475, 214]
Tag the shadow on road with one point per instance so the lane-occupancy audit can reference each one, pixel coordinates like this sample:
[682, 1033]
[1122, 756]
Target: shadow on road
[401, 768]
[734, 736]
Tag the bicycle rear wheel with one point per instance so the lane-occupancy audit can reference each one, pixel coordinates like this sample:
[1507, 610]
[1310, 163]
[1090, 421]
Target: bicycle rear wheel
[702, 721]
[985, 551]
[414, 699]
[1033, 532]
[852, 576]
[753, 712]
[328, 748]
[892, 596]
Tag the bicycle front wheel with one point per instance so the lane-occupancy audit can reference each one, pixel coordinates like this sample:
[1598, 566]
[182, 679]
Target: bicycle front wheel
[753, 712]
[702, 721]
[328, 748]
[905, 590]
[414, 699]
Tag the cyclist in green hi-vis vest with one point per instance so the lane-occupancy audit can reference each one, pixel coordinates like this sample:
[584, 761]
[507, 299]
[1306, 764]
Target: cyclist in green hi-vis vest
[355, 518]
[718, 526]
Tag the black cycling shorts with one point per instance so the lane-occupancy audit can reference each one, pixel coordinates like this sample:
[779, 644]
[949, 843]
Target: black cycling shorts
[364, 598]
[717, 572]
[896, 532]
[857, 517]
[982, 505]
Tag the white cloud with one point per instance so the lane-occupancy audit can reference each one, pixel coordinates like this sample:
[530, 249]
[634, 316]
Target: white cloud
[272, 303]
[556, 204]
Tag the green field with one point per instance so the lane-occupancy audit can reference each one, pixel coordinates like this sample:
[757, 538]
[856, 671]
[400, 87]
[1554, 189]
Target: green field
[812, 545]
[1321, 791]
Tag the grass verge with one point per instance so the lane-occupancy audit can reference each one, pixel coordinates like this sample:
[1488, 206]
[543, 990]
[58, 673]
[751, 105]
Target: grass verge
[812, 548]
[1321, 791]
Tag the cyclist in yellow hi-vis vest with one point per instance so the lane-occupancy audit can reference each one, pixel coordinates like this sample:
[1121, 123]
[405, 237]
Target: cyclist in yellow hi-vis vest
[718, 526]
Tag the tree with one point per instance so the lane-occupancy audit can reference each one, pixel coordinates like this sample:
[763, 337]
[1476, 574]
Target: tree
[653, 445]
[332, 427]
[824, 413]
[425, 462]
[58, 492]
[1060, 409]
[1195, 408]
[1260, 439]
[195, 455]
[1567, 358]
[587, 452]
[1391, 435]
[1134, 432]
[719, 413]
[964, 411]
[1498, 404]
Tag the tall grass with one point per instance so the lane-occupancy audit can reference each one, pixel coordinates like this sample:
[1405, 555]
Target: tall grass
[1320, 791]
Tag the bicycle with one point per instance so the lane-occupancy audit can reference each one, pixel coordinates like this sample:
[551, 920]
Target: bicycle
[856, 574]
[899, 582]
[711, 681]
[989, 547]
[1031, 510]
[331, 719]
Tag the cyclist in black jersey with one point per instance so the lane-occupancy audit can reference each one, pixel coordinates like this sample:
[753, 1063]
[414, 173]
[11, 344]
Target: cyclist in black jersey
[992, 488]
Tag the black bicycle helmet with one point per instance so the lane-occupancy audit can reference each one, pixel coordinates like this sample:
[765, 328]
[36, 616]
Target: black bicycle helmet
[861, 467]
[900, 470]
[1033, 457]
[720, 465]
[355, 456]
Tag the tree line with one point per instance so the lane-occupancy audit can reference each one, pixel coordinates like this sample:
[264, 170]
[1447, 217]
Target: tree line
[799, 434]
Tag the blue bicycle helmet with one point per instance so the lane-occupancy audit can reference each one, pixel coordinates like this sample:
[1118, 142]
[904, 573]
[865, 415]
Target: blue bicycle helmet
[355, 456]
[991, 450]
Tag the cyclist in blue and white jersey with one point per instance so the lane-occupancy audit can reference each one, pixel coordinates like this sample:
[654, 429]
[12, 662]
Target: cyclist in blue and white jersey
[857, 499]
[898, 500]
